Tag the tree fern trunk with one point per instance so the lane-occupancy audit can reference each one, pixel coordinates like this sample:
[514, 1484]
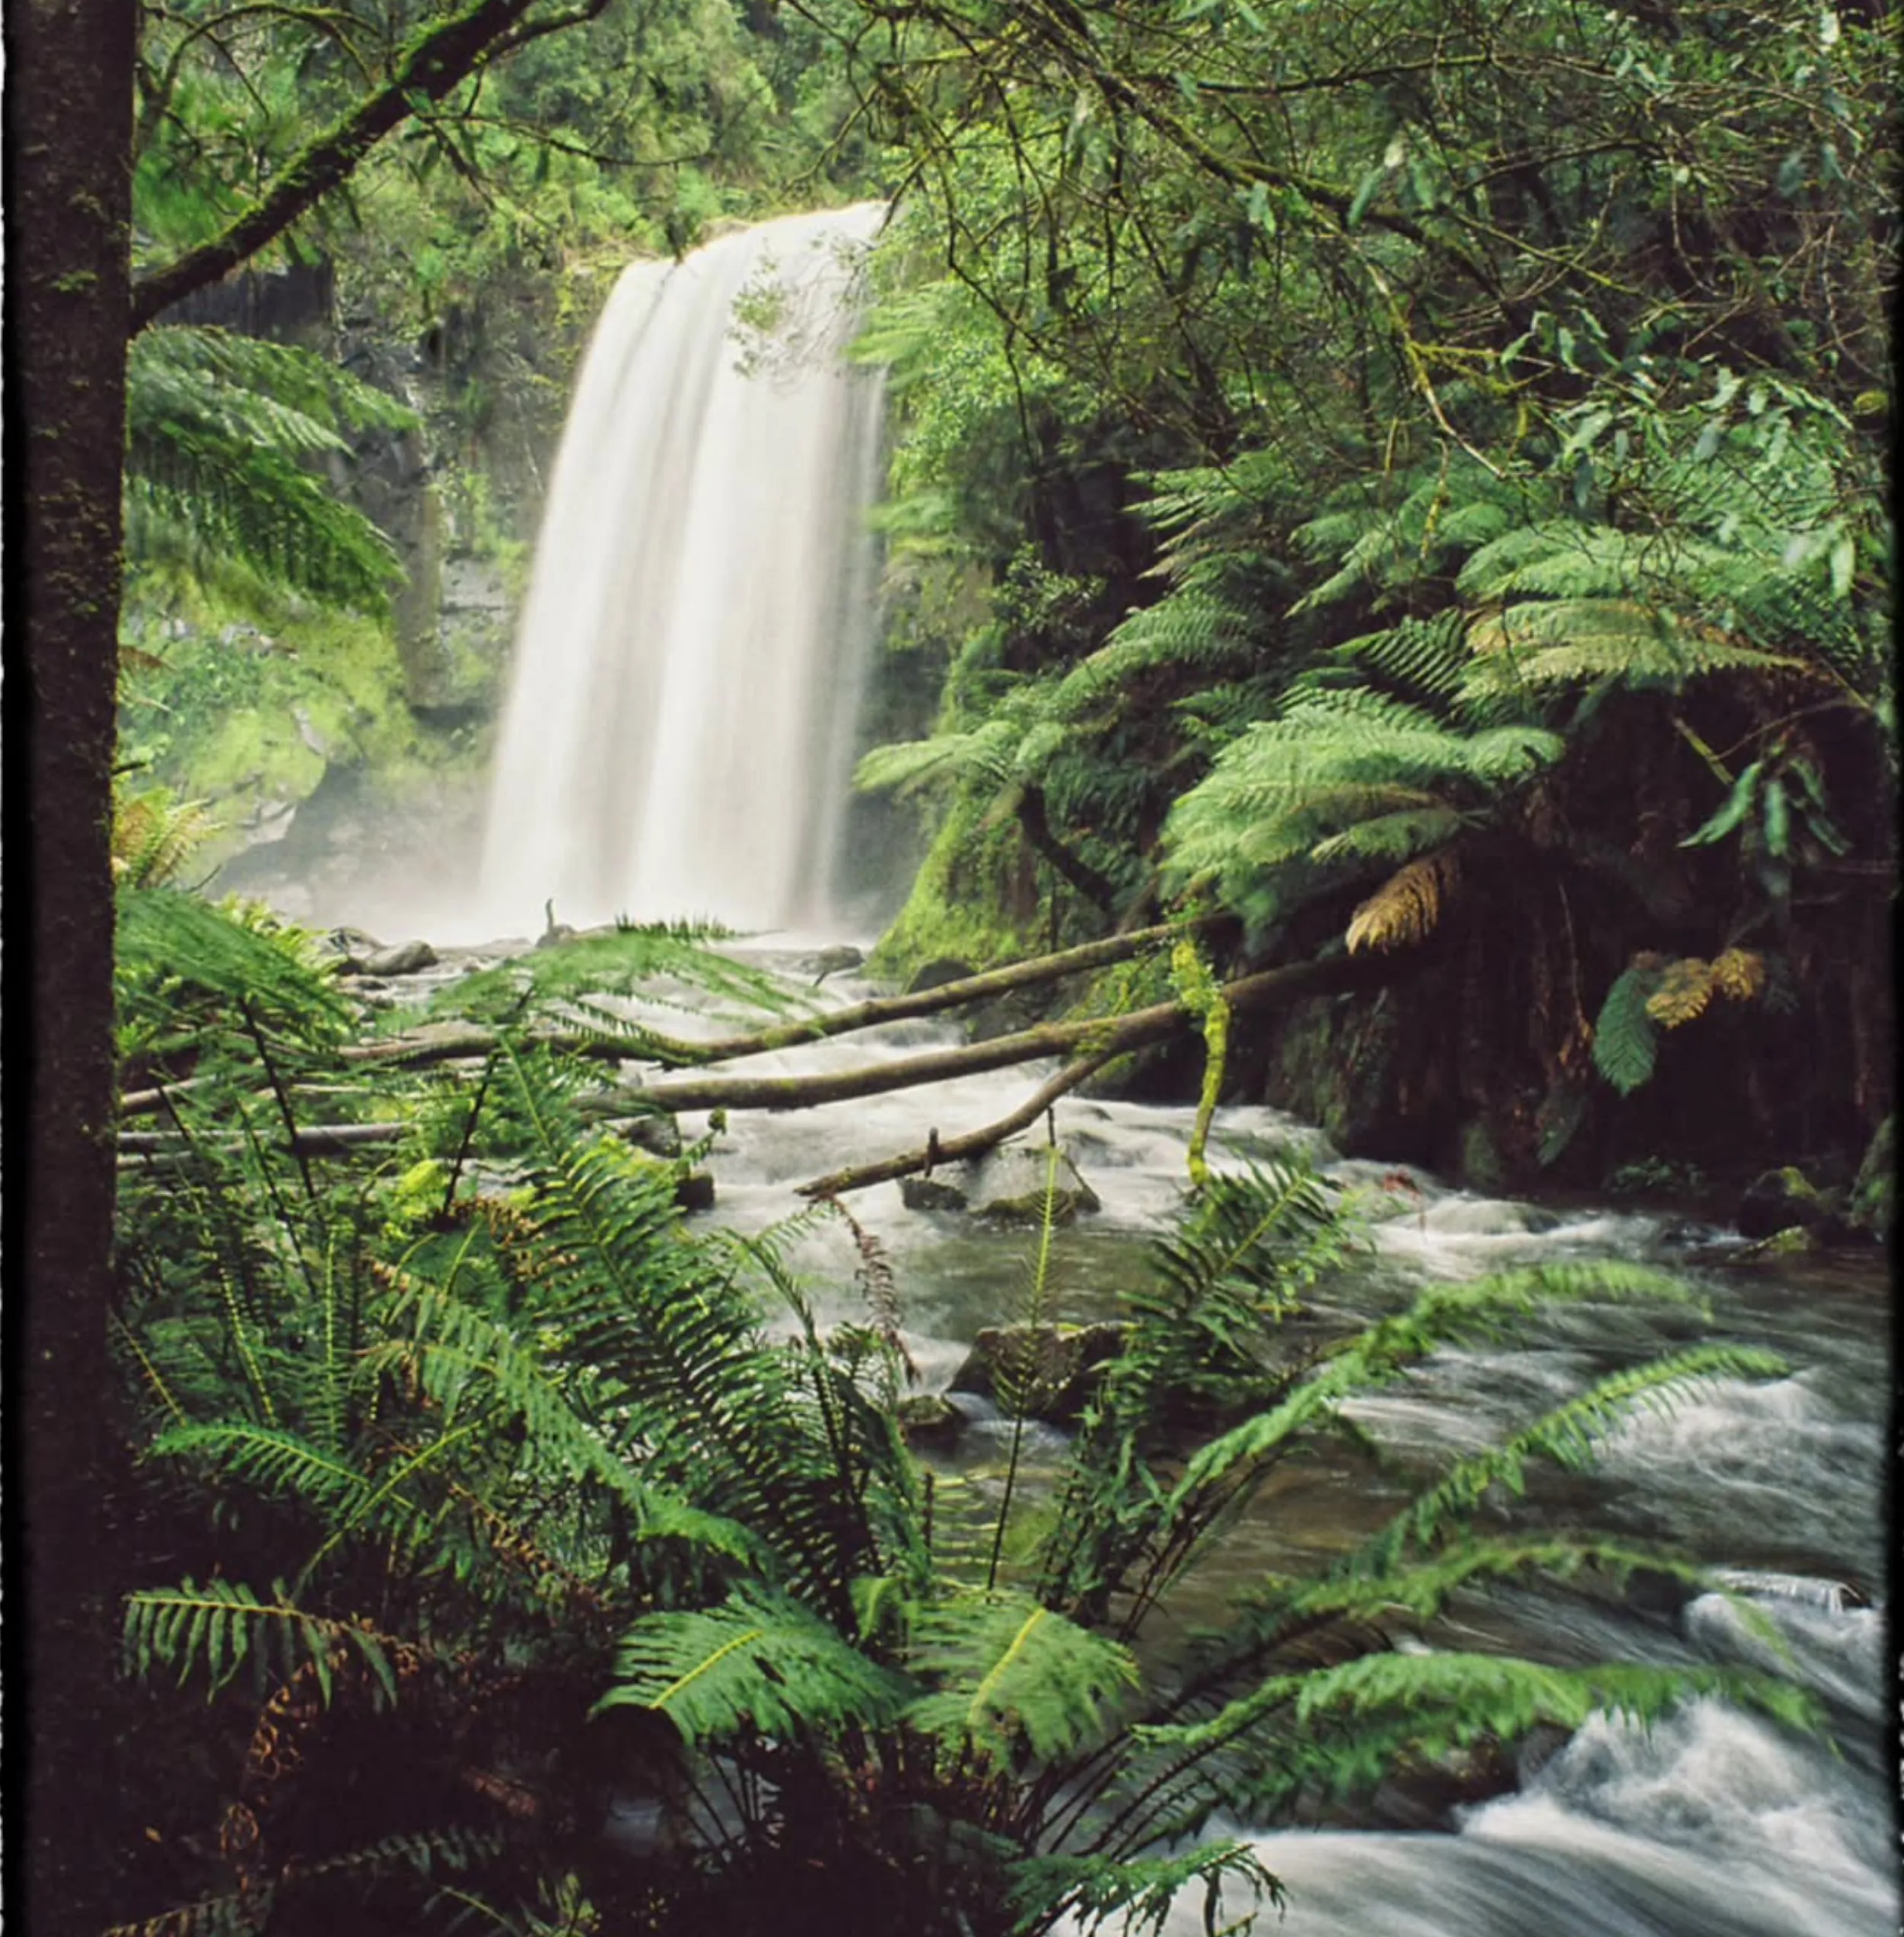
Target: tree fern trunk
[70, 65]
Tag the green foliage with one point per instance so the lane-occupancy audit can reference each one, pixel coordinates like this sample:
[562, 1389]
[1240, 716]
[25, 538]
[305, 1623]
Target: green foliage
[221, 430]
[551, 1440]
[1625, 1040]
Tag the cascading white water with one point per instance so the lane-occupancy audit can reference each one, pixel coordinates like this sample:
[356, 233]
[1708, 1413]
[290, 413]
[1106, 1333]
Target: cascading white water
[690, 656]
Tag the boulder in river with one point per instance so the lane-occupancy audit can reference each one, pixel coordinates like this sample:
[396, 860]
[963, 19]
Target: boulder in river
[832, 962]
[936, 974]
[1008, 1186]
[406, 959]
[930, 1420]
[1054, 1368]
[1786, 1199]
[931, 1194]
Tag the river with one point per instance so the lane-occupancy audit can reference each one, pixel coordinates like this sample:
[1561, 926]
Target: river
[1716, 1823]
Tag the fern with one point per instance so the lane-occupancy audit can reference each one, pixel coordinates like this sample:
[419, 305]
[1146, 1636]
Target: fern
[1625, 1042]
[1013, 1677]
[215, 1629]
[219, 428]
[758, 1664]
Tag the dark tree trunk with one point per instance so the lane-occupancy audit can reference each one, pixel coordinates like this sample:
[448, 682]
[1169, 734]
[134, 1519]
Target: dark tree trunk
[69, 71]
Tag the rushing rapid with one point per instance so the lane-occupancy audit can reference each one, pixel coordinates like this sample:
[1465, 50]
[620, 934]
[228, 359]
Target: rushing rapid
[1716, 1823]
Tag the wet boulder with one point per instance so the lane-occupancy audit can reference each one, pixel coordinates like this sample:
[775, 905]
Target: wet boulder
[832, 962]
[930, 1420]
[1054, 1369]
[406, 959]
[1874, 1194]
[1008, 1186]
[931, 1194]
[349, 949]
[1786, 1199]
[694, 1191]
[936, 974]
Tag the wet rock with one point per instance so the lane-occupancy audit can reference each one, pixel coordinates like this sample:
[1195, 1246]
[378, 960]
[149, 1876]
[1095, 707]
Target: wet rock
[406, 959]
[1780, 1200]
[1873, 1194]
[349, 949]
[930, 1420]
[936, 974]
[931, 1194]
[832, 962]
[1009, 1187]
[659, 1135]
[1480, 1166]
[1056, 1368]
[1425, 1795]
[694, 1191]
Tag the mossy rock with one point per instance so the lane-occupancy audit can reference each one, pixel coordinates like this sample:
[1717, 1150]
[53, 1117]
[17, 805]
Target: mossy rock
[1009, 1187]
[1779, 1201]
[930, 1420]
[1873, 1195]
[1054, 1369]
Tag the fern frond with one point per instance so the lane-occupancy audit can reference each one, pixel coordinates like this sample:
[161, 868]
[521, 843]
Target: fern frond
[758, 1663]
[1013, 1677]
[1567, 1435]
[1140, 1891]
[1575, 641]
[1192, 633]
[153, 834]
[1407, 907]
[215, 1628]
[1625, 1045]
[1444, 1701]
[1396, 836]
[219, 430]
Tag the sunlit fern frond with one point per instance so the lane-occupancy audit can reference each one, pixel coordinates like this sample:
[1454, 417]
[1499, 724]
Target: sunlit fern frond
[1407, 907]
[155, 834]
[759, 1663]
[1200, 637]
[1577, 641]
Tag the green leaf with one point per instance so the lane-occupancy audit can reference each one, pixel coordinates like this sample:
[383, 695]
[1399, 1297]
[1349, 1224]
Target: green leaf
[1626, 1040]
[1365, 192]
[1736, 804]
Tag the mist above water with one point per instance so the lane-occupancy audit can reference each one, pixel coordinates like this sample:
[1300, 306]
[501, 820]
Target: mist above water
[680, 723]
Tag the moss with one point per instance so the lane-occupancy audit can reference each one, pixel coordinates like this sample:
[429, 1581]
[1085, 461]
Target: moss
[955, 908]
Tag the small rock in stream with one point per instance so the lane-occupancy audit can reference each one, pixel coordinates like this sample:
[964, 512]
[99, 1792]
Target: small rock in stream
[1058, 1367]
[406, 959]
[930, 1420]
[931, 1194]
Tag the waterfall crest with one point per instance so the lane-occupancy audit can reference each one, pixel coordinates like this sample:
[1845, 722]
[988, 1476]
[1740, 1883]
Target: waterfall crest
[690, 656]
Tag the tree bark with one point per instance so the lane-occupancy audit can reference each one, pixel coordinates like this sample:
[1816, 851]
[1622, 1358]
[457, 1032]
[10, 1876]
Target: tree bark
[433, 63]
[1097, 889]
[449, 1043]
[69, 116]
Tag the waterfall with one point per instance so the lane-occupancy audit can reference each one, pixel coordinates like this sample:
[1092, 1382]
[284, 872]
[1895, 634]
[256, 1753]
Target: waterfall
[676, 737]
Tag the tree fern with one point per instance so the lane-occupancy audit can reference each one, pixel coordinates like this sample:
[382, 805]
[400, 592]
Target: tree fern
[219, 431]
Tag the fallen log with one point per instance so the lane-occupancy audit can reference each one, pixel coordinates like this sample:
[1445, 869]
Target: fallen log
[1101, 1037]
[446, 1041]
[974, 1143]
